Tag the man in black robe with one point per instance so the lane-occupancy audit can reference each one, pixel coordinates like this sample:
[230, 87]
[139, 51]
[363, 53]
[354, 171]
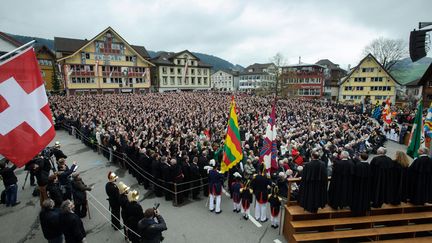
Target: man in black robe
[313, 186]
[361, 186]
[383, 179]
[340, 189]
[420, 178]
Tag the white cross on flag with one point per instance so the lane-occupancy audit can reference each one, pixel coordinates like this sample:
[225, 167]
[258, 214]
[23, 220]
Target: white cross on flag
[26, 125]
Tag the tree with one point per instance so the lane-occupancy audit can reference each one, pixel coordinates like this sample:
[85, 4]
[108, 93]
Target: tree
[387, 51]
[55, 80]
[279, 61]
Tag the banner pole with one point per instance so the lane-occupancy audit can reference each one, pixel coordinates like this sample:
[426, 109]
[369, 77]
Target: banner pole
[17, 49]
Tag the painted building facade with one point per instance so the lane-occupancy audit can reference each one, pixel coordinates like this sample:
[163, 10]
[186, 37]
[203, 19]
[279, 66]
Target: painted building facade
[181, 71]
[303, 80]
[370, 81]
[105, 64]
[46, 60]
[425, 86]
[258, 76]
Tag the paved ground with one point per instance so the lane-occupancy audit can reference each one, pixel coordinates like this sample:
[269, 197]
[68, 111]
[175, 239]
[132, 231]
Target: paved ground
[189, 223]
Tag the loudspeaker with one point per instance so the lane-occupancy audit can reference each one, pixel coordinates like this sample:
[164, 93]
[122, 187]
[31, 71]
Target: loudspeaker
[417, 44]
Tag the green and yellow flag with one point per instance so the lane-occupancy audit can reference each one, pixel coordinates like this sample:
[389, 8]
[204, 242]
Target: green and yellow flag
[232, 153]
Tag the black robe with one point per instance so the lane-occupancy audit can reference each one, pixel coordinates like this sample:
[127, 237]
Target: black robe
[340, 189]
[401, 184]
[420, 181]
[313, 186]
[361, 188]
[383, 180]
[133, 213]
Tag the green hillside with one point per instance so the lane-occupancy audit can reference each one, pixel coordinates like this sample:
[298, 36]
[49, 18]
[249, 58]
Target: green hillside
[406, 71]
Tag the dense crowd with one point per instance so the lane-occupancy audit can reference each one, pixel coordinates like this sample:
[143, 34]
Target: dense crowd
[184, 126]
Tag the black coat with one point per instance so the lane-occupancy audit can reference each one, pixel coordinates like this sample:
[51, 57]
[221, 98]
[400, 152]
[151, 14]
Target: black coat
[8, 175]
[383, 180]
[79, 191]
[313, 186]
[150, 231]
[55, 193]
[50, 223]
[113, 194]
[340, 189]
[361, 188]
[133, 213]
[420, 180]
[72, 228]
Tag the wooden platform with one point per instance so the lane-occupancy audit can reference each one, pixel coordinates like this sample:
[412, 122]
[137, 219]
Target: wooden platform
[405, 221]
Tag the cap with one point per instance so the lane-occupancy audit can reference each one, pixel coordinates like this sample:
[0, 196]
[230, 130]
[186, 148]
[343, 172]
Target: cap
[300, 168]
[57, 144]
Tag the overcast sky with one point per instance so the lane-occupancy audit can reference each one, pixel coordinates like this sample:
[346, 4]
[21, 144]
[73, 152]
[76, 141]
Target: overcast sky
[242, 32]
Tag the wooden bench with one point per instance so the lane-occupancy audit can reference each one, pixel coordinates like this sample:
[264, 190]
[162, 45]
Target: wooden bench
[372, 220]
[329, 224]
[373, 233]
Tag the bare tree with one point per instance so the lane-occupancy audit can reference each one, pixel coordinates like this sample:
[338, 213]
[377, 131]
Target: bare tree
[279, 61]
[387, 51]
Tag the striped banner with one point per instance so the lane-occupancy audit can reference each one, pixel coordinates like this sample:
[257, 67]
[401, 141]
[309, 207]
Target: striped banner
[232, 153]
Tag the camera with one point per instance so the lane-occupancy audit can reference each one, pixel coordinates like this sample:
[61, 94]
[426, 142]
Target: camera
[156, 205]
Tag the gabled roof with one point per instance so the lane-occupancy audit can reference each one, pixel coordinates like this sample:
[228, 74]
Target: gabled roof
[231, 72]
[427, 75]
[10, 39]
[257, 68]
[40, 48]
[167, 58]
[303, 65]
[76, 45]
[356, 68]
[413, 83]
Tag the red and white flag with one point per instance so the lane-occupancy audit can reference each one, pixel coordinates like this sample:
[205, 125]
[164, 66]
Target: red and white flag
[26, 126]
[386, 114]
[268, 153]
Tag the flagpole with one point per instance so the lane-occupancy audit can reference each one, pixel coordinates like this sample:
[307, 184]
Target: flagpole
[17, 49]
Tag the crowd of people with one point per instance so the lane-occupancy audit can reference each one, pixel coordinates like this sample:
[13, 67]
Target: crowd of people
[173, 145]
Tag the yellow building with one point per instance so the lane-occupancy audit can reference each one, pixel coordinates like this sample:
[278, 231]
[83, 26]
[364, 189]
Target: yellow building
[46, 60]
[105, 64]
[369, 80]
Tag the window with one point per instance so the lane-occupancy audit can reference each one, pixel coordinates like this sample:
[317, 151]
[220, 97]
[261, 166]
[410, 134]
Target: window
[344, 97]
[376, 79]
[186, 81]
[205, 80]
[164, 70]
[192, 71]
[359, 79]
[128, 58]
[192, 80]
[179, 80]
[199, 80]
[178, 61]
[205, 71]
[380, 88]
[179, 71]
[104, 80]
[429, 83]
[164, 80]
[359, 88]
[87, 55]
[171, 70]
[199, 71]
[367, 70]
[172, 81]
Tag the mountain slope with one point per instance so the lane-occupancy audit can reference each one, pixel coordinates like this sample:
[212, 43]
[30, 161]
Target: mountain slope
[217, 62]
[406, 71]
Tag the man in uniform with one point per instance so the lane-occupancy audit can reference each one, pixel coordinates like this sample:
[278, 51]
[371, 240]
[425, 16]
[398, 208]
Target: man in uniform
[215, 181]
[260, 184]
[113, 198]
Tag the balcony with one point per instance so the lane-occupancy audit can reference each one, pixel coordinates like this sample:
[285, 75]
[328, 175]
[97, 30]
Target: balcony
[83, 73]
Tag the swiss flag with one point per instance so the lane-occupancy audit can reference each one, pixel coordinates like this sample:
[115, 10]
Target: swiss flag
[26, 125]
